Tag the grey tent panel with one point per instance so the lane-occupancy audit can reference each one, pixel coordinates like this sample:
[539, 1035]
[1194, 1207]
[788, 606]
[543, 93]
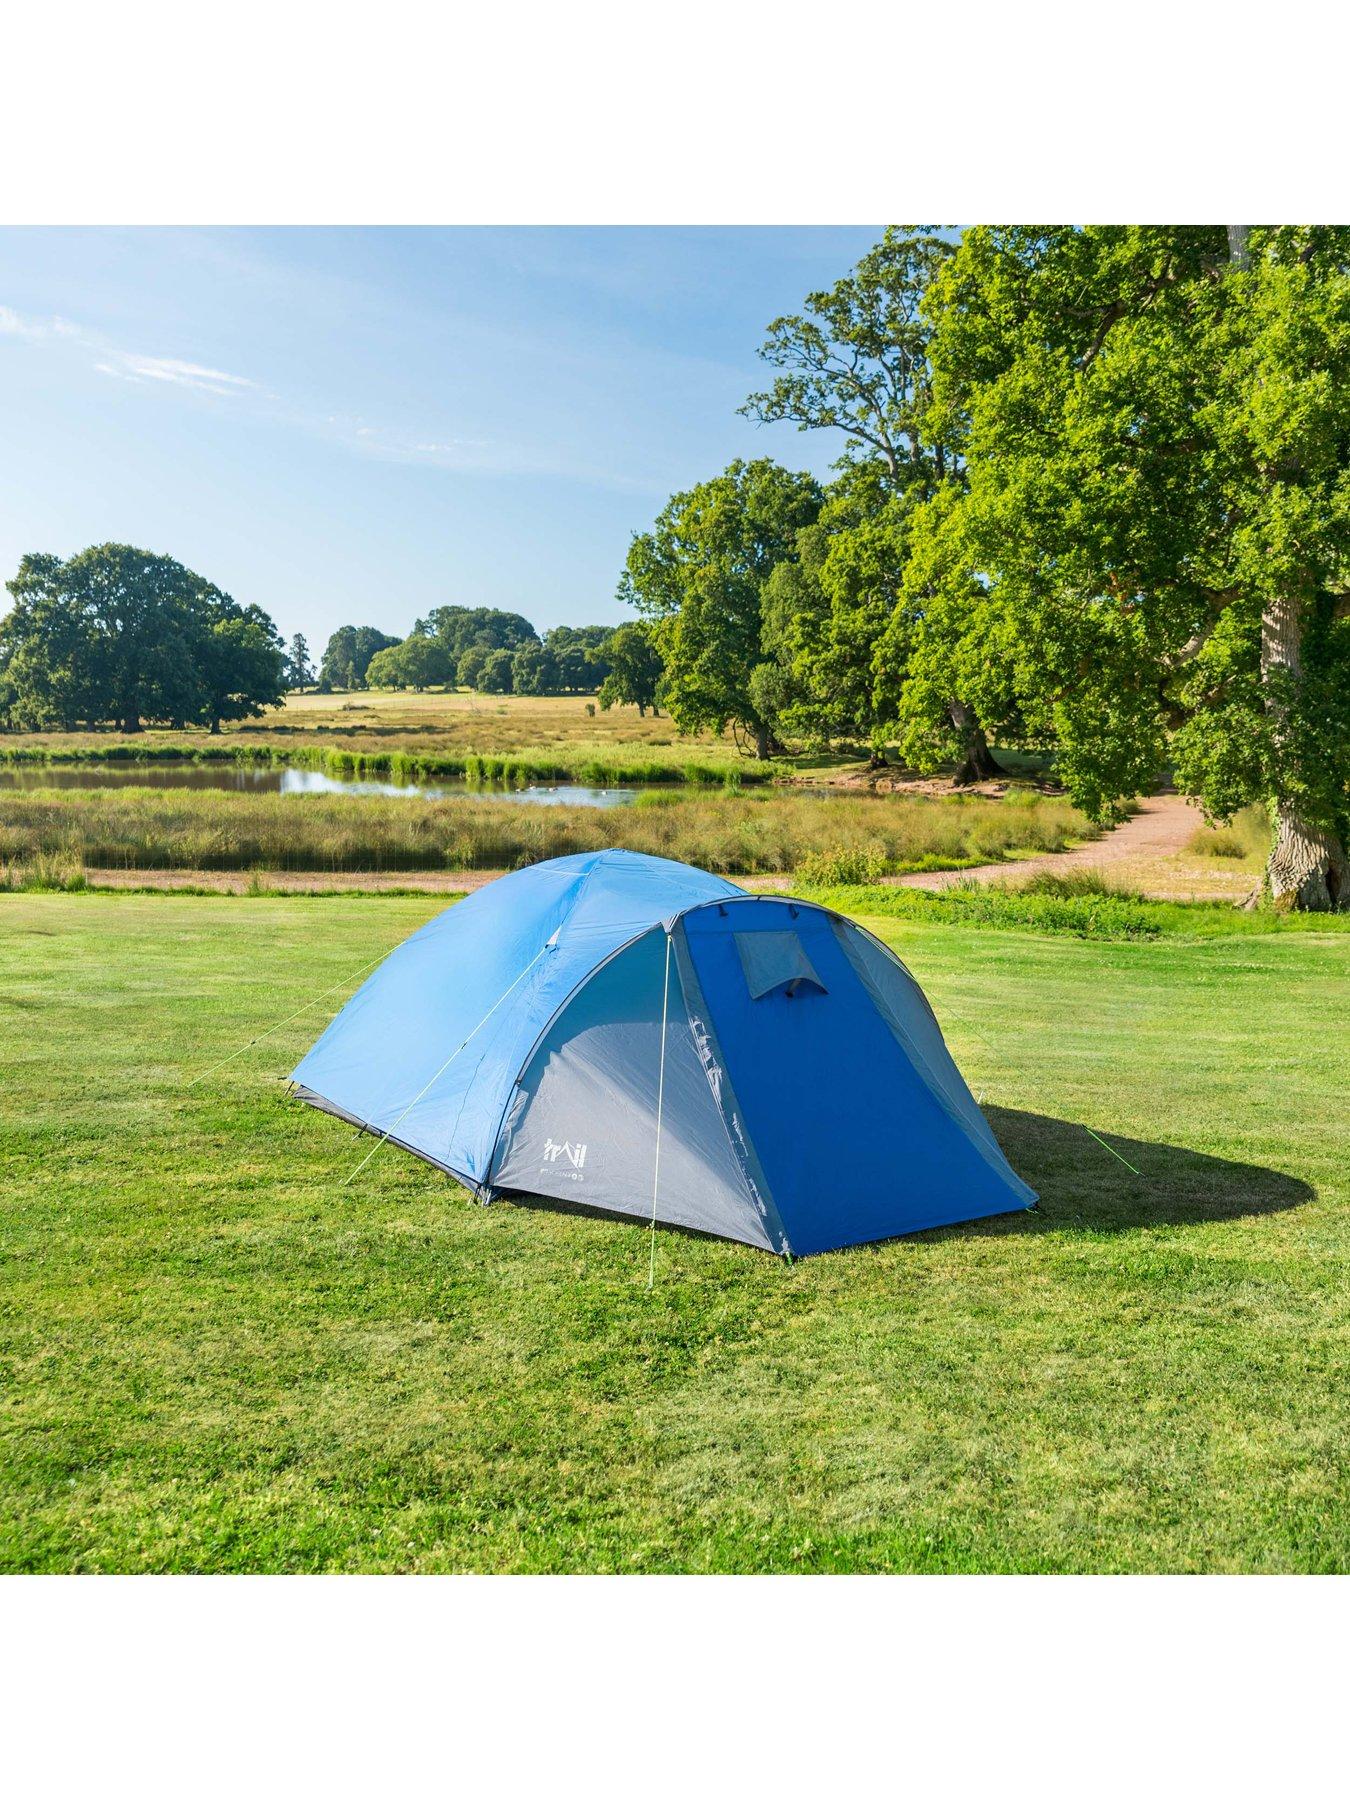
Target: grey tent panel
[581, 1124]
[775, 959]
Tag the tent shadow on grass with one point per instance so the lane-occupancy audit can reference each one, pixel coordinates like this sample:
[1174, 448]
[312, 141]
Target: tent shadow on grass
[1082, 1185]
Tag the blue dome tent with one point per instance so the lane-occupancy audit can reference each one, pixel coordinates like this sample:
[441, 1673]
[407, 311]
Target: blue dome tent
[638, 1036]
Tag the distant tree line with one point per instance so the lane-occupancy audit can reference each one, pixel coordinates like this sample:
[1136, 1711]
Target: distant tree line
[1094, 499]
[119, 636]
[122, 637]
[494, 652]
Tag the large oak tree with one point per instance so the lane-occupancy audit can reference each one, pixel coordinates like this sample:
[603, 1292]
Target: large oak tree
[1151, 558]
[121, 635]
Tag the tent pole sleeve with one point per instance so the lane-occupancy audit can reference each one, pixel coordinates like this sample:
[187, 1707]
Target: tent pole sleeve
[660, 1101]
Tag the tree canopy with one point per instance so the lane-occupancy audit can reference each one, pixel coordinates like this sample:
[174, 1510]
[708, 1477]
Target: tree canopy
[348, 652]
[700, 574]
[418, 662]
[299, 669]
[634, 670]
[457, 628]
[123, 636]
[1094, 497]
[856, 360]
[1150, 560]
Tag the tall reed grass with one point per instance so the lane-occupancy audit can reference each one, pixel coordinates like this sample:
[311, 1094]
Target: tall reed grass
[585, 763]
[756, 832]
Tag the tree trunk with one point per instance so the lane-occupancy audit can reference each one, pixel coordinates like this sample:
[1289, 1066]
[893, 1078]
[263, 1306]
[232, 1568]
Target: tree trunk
[977, 761]
[130, 722]
[1308, 870]
[215, 728]
[763, 743]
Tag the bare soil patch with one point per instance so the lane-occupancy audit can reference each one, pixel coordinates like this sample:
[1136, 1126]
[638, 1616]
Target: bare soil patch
[1149, 852]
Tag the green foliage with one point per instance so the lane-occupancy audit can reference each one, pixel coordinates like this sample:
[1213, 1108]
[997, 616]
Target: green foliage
[299, 669]
[1074, 906]
[534, 670]
[579, 659]
[1157, 448]
[700, 575]
[120, 634]
[457, 628]
[348, 654]
[825, 611]
[1082, 910]
[418, 662]
[240, 662]
[857, 360]
[494, 677]
[634, 669]
[471, 664]
[852, 865]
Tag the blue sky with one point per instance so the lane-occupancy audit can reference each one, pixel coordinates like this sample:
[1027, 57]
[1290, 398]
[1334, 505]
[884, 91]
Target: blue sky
[356, 425]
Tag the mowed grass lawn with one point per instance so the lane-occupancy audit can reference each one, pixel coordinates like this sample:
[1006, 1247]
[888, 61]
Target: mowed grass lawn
[217, 1357]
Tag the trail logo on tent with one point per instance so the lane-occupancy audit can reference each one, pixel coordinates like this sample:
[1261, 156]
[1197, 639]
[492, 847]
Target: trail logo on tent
[574, 1153]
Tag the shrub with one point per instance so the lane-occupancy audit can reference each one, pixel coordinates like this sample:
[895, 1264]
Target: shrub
[1050, 905]
[842, 865]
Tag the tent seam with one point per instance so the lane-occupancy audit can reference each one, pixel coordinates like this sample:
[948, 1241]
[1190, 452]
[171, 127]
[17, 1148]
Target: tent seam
[772, 1215]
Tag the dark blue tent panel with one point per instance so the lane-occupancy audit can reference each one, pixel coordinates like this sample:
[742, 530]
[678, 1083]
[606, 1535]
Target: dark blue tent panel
[635, 1035]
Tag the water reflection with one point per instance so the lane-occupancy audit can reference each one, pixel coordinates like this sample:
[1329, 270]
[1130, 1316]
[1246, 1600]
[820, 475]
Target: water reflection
[239, 778]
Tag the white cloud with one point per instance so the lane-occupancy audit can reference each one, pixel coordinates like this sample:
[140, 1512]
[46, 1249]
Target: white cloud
[14, 324]
[183, 374]
[125, 365]
[462, 455]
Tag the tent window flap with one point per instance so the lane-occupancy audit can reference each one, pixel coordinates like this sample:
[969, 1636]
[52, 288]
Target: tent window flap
[776, 959]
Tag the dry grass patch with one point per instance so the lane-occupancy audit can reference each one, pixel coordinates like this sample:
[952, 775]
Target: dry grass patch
[738, 832]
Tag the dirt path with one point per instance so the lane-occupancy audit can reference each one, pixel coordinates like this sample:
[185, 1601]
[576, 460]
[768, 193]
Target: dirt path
[1162, 828]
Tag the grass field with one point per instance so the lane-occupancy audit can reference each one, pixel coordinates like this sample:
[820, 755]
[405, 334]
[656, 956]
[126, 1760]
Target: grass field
[557, 734]
[216, 1357]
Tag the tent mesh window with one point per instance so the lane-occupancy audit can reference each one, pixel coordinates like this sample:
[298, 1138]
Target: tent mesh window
[776, 959]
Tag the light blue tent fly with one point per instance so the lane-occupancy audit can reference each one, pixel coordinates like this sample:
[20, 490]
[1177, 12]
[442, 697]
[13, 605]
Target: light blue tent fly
[634, 1035]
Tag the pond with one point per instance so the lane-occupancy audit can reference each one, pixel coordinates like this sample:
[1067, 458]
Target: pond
[239, 778]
